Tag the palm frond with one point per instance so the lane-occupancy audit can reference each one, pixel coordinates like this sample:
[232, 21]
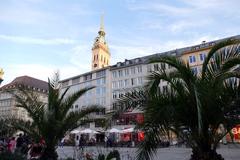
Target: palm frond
[213, 51]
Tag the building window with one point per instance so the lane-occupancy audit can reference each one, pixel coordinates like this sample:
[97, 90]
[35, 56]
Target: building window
[114, 106]
[101, 73]
[101, 81]
[98, 81]
[139, 69]
[202, 56]
[98, 91]
[121, 95]
[140, 80]
[149, 68]
[126, 72]
[88, 77]
[195, 70]
[120, 73]
[126, 82]
[75, 80]
[192, 59]
[101, 90]
[114, 74]
[114, 95]
[120, 83]
[133, 70]
[133, 81]
[114, 84]
[76, 106]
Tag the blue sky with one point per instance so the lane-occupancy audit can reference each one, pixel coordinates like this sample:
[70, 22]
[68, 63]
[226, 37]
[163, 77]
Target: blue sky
[38, 37]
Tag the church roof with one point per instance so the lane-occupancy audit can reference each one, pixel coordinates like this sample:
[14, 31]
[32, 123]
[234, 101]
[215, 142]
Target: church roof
[27, 82]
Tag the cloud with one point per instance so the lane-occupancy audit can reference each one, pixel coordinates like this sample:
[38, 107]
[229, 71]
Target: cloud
[182, 25]
[38, 41]
[159, 7]
[22, 13]
[81, 56]
[185, 15]
[120, 52]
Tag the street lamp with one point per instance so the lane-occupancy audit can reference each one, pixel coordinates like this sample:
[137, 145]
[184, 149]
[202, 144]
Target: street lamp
[1, 75]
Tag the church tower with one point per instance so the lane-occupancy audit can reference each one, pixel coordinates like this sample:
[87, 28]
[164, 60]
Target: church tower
[100, 51]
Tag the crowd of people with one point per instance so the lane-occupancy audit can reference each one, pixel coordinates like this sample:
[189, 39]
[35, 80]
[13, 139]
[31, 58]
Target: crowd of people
[22, 144]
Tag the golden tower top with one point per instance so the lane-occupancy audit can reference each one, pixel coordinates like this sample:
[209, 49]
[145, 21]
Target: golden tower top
[1, 73]
[100, 39]
[100, 50]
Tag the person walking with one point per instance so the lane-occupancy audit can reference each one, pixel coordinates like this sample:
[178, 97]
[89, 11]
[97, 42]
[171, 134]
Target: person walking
[62, 142]
[81, 142]
[11, 145]
[19, 143]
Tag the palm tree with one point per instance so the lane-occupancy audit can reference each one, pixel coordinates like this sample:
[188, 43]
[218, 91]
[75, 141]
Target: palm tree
[193, 105]
[5, 128]
[52, 120]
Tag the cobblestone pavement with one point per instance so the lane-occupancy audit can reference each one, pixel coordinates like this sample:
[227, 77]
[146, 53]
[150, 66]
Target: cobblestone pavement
[229, 152]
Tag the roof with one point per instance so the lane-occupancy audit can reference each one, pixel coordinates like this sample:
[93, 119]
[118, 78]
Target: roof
[29, 82]
[175, 52]
[145, 59]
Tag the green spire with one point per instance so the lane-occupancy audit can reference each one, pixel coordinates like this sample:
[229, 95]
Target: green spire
[101, 32]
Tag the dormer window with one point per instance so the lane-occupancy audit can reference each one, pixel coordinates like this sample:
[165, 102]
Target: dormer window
[119, 64]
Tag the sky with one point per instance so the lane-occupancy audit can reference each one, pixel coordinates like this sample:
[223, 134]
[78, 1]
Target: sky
[40, 37]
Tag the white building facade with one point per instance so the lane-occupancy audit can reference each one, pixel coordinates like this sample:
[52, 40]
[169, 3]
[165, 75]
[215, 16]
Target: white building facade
[8, 102]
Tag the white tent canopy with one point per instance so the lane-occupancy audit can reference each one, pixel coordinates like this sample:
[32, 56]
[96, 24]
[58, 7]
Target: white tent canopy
[75, 131]
[114, 130]
[88, 131]
[128, 130]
